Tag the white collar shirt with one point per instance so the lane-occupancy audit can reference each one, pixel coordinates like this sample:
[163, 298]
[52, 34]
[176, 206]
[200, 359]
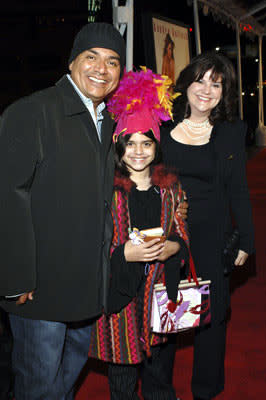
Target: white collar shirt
[89, 105]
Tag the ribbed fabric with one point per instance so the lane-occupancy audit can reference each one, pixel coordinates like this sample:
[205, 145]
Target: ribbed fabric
[155, 379]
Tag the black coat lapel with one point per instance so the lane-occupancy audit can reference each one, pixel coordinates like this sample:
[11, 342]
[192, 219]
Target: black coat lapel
[90, 128]
[73, 105]
[106, 132]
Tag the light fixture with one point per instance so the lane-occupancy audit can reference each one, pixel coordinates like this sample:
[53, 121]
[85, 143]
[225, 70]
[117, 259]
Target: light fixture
[93, 7]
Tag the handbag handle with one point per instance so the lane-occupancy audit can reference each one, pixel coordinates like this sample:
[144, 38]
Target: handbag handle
[192, 270]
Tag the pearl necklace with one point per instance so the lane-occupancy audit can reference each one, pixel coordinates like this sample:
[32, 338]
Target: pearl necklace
[191, 124]
[193, 130]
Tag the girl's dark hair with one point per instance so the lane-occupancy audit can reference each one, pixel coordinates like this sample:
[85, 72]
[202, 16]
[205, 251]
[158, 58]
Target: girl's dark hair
[193, 72]
[120, 148]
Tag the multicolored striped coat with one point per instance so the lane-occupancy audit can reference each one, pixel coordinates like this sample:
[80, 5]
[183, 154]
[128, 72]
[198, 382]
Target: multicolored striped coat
[117, 338]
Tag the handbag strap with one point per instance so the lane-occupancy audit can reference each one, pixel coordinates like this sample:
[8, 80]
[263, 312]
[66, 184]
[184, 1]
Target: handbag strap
[192, 270]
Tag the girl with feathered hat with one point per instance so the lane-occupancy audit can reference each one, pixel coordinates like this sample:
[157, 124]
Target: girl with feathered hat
[146, 195]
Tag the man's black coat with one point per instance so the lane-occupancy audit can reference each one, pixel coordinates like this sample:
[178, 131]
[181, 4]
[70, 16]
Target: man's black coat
[56, 182]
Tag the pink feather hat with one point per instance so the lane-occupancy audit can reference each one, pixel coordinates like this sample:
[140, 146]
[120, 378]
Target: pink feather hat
[141, 102]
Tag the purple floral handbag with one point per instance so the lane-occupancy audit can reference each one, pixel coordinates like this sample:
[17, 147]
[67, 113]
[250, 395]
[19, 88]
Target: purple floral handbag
[191, 309]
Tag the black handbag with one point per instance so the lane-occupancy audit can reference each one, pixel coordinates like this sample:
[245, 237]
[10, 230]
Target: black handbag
[230, 252]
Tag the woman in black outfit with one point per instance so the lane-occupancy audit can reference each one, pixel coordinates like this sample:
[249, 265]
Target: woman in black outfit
[207, 146]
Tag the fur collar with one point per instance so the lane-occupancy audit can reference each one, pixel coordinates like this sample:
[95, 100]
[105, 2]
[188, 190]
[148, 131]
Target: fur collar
[161, 176]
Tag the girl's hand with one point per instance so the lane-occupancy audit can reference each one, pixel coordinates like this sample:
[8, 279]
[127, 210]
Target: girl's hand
[170, 248]
[144, 252]
[241, 258]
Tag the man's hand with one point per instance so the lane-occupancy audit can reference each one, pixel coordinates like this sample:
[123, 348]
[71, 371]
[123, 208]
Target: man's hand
[183, 206]
[24, 297]
[241, 258]
[144, 252]
[170, 248]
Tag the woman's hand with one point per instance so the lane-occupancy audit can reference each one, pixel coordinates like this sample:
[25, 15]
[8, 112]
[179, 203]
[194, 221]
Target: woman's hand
[241, 258]
[183, 207]
[170, 248]
[144, 252]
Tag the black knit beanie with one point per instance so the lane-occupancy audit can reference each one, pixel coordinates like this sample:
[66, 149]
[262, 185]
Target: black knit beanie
[99, 34]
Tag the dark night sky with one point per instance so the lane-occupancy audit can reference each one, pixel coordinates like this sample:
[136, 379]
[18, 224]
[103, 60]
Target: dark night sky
[36, 37]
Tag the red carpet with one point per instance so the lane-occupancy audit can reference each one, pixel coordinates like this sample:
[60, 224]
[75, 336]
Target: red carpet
[246, 335]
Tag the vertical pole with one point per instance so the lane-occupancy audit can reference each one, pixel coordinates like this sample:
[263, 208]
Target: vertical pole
[130, 35]
[196, 26]
[261, 108]
[239, 72]
[123, 17]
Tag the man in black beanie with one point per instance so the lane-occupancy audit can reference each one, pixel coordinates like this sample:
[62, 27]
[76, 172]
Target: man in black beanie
[56, 174]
